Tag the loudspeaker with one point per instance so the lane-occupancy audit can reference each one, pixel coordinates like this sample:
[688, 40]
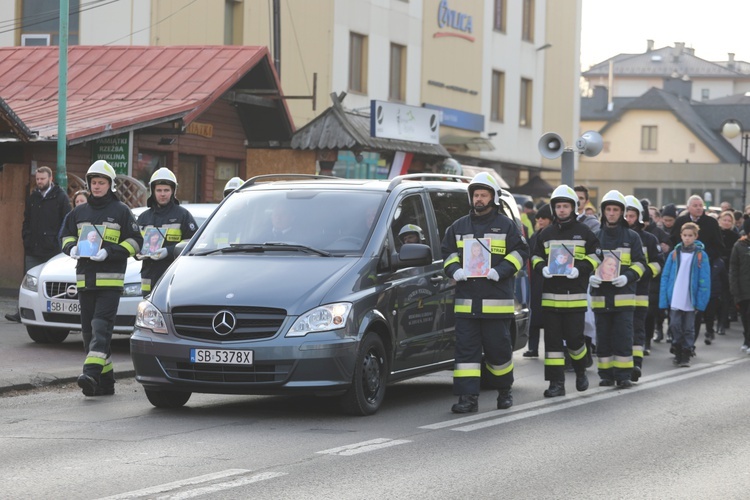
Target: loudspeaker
[551, 145]
[590, 143]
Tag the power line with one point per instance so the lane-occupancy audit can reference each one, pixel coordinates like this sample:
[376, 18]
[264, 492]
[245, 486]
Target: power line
[21, 23]
[152, 25]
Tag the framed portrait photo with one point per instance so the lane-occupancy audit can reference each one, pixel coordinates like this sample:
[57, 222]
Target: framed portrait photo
[561, 259]
[477, 257]
[609, 269]
[153, 240]
[90, 240]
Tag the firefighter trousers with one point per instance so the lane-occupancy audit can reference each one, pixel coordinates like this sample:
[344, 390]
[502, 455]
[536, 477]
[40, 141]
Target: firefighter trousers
[474, 336]
[639, 335]
[614, 344]
[98, 312]
[568, 328]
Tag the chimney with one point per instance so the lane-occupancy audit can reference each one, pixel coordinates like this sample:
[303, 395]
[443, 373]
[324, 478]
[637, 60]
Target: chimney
[600, 97]
[649, 45]
[679, 46]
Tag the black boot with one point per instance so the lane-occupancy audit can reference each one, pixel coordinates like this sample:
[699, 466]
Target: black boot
[504, 399]
[16, 318]
[677, 355]
[685, 361]
[467, 403]
[635, 374]
[582, 381]
[556, 388]
[107, 384]
[624, 384]
[89, 381]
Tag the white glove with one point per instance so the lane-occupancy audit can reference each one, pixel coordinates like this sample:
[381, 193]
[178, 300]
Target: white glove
[573, 273]
[595, 281]
[159, 254]
[74, 253]
[140, 256]
[620, 281]
[459, 275]
[100, 255]
[545, 272]
[492, 275]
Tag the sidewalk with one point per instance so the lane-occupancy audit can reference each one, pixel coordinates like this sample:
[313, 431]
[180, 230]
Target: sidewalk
[26, 364]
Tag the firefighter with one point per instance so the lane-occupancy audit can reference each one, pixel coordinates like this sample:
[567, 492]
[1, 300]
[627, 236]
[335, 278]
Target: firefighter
[411, 233]
[231, 185]
[564, 300]
[484, 306]
[173, 222]
[634, 215]
[100, 278]
[613, 295]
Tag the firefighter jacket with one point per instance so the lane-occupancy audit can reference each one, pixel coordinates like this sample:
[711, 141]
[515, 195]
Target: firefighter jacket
[700, 277]
[654, 260]
[175, 224]
[574, 237]
[625, 246]
[120, 237]
[42, 219]
[482, 297]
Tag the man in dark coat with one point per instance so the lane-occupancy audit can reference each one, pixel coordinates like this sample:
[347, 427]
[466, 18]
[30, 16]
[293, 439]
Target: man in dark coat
[709, 230]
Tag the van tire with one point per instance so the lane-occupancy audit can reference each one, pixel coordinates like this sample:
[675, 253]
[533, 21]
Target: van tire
[167, 399]
[370, 375]
[42, 335]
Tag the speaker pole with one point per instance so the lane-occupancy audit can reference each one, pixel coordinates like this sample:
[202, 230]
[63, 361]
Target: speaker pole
[566, 172]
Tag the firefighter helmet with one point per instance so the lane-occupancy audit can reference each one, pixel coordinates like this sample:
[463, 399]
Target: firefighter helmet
[101, 168]
[632, 203]
[613, 197]
[231, 185]
[564, 192]
[411, 229]
[163, 176]
[484, 180]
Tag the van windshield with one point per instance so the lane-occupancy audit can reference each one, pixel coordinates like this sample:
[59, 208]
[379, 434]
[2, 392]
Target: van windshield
[331, 220]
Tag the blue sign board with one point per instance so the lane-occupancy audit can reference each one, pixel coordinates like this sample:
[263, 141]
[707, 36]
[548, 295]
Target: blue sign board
[459, 119]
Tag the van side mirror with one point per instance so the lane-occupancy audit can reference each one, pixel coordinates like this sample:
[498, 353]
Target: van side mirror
[413, 255]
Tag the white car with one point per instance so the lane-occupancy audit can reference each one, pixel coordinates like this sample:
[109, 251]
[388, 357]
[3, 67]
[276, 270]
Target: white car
[48, 297]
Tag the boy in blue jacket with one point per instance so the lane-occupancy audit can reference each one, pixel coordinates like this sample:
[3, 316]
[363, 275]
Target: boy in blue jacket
[685, 288]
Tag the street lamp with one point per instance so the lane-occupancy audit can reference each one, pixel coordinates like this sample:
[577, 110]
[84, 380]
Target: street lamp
[730, 130]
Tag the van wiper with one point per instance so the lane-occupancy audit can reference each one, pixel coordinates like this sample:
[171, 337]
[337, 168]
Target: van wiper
[264, 247]
[299, 248]
[234, 247]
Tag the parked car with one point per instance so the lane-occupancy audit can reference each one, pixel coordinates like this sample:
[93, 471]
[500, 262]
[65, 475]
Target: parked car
[48, 297]
[336, 305]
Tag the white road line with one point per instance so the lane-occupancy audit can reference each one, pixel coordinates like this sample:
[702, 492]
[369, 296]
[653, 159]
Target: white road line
[178, 484]
[579, 398]
[363, 447]
[215, 488]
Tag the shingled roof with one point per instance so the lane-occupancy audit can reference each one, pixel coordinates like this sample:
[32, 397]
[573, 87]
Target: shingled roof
[113, 89]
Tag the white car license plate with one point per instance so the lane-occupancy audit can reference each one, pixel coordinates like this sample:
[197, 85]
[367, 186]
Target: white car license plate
[64, 306]
[221, 356]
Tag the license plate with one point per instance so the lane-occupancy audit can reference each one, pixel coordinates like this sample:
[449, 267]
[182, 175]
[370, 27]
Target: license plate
[221, 356]
[64, 306]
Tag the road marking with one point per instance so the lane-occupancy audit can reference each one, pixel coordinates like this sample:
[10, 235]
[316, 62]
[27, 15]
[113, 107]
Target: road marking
[191, 481]
[215, 488]
[541, 407]
[364, 447]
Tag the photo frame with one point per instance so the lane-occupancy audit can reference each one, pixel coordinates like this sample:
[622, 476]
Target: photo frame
[90, 240]
[609, 268]
[561, 259]
[477, 257]
[153, 241]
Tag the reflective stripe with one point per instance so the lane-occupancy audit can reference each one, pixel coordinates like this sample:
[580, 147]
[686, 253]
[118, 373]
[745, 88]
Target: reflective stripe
[597, 302]
[579, 354]
[497, 246]
[94, 360]
[108, 367]
[554, 359]
[593, 259]
[467, 370]
[515, 259]
[131, 246]
[501, 370]
[69, 239]
[564, 304]
[462, 306]
[536, 260]
[625, 300]
[637, 351]
[174, 232]
[655, 268]
[623, 362]
[493, 306]
[146, 284]
[639, 268]
[110, 279]
[605, 363]
[451, 259]
[641, 301]
[495, 236]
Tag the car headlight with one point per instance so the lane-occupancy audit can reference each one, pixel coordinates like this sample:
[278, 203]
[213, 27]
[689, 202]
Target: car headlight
[132, 290]
[321, 319]
[150, 318]
[30, 282]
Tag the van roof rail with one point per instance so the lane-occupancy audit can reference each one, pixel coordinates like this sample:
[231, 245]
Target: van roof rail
[427, 176]
[253, 180]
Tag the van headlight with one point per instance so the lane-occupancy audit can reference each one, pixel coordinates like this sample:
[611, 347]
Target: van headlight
[132, 290]
[150, 318]
[321, 319]
[30, 282]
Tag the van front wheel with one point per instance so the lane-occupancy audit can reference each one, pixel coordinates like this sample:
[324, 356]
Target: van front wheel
[370, 374]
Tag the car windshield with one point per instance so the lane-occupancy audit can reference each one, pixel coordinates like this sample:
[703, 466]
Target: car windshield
[333, 221]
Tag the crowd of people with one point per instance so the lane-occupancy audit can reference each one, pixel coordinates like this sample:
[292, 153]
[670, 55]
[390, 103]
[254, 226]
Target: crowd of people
[635, 269]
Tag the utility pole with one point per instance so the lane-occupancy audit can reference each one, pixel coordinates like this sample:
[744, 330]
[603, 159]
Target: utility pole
[61, 174]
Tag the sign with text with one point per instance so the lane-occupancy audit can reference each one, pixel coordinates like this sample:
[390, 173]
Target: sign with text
[114, 150]
[406, 123]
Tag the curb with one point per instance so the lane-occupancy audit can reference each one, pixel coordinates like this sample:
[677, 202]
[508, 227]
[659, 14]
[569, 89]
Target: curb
[50, 381]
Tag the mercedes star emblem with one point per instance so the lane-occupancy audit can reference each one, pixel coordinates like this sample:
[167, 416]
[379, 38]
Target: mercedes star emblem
[224, 322]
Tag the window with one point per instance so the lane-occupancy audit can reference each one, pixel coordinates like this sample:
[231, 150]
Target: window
[42, 17]
[498, 19]
[648, 138]
[526, 95]
[649, 193]
[497, 110]
[397, 82]
[411, 211]
[225, 170]
[527, 28]
[705, 94]
[232, 22]
[146, 163]
[676, 196]
[449, 206]
[358, 63]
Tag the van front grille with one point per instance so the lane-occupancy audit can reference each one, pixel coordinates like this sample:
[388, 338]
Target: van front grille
[252, 323]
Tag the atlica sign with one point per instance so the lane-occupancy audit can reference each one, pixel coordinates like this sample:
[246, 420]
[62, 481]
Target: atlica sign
[449, 18]
[406, 123]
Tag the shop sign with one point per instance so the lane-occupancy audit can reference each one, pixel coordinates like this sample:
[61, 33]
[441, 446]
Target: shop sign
[201, 129]
[114, 150]
[459, 119]
[406, 123]
[459, 21]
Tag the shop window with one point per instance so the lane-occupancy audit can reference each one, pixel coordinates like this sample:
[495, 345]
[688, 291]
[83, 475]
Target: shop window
[42, 17]
[397, 81]
[146, 163]
[225, 170]
[358, 63]
[526, 101]
[497, 112]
